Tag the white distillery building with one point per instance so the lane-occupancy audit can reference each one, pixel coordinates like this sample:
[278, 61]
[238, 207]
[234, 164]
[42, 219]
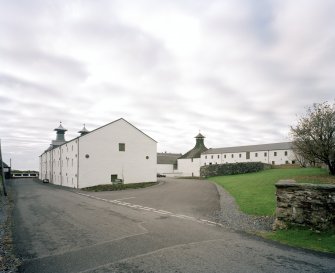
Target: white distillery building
[273, 153]
[116, 151]
[189, 164]
[167, 164]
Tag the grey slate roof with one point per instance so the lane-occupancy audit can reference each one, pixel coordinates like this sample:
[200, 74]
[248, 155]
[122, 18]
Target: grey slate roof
[251, 148]
[198, 149]
[167, 158]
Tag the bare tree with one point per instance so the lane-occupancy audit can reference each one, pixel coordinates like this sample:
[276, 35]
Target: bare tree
[314, 135]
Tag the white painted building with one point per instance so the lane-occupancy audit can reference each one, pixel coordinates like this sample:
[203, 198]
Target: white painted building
[189, 164]
[274, 154]
[117, 150]
[167, 164]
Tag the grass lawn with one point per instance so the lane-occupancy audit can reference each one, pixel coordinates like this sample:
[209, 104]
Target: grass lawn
[305, 238]
[255, 192]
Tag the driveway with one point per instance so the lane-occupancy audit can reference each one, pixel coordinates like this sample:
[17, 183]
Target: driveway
[191, 197]
[157, 229]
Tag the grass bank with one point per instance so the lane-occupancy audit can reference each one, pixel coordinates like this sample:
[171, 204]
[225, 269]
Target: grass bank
[305, 238]
[119, 187]
[255, 194]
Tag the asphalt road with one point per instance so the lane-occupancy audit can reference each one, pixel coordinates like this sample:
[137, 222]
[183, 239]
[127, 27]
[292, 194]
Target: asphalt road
[163, 228]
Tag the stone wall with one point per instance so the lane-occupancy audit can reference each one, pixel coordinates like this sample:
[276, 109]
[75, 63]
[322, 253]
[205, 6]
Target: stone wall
[309, 205]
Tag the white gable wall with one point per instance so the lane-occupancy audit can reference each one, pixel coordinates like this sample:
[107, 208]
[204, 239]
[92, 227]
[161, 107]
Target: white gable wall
[136, 164]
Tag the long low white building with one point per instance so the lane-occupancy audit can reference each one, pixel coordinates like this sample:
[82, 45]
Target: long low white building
[117, 151]
[273, 153]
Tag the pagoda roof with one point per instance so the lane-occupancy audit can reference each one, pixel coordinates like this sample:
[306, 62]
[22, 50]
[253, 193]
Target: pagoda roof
[60, 128]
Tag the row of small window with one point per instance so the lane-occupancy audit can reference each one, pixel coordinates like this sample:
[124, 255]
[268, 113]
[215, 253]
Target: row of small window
[61, 163]
[273, 162]
[247, 155]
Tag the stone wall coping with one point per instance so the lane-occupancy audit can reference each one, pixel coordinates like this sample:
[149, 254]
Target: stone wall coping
[292, 183]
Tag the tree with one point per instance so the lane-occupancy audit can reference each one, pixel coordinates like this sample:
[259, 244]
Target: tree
[314, 135]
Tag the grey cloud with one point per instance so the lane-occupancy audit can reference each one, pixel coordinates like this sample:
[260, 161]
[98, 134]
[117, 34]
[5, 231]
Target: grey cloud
[135, 45]
[22, 85]
[53, 64]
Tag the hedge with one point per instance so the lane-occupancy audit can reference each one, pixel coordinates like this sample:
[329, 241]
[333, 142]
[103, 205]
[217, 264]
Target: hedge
[232, 168]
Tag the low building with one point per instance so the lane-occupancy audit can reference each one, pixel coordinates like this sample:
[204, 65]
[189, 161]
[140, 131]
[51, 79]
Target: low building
[273, 153]
[167, 164]
[24, 174]
[189, 164]
[115, 152]
[6, 170]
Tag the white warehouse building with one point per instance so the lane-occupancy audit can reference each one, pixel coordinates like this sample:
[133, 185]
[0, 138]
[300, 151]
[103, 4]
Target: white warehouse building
[117, 151]
[273, 153]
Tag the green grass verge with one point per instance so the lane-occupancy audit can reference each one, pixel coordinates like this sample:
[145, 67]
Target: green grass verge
[255, 192]
[309, 239]
[119, 187]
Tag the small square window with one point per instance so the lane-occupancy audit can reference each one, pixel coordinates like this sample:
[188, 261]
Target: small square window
[275, 153]
[122, 147]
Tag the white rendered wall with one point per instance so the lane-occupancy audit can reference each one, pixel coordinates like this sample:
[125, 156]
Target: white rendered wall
[268, 157]
[168, 170]
[138, 163]
[189, 166]
[164, 168]
[69, 161]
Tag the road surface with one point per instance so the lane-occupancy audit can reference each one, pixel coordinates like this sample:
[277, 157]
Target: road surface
[163, 228]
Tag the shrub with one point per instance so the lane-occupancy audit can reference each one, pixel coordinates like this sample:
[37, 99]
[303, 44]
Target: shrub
[119, 187]
[232, 168]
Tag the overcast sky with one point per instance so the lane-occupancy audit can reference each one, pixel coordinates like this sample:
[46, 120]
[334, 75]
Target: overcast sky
[239, 71]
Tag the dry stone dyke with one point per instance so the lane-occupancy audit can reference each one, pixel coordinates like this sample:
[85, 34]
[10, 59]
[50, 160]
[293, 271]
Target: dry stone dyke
[309, 205]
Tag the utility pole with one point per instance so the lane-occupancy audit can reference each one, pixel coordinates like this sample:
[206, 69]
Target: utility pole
[2, 173]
